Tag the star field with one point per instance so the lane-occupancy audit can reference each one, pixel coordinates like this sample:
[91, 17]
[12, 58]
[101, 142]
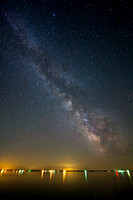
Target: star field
[66, 83]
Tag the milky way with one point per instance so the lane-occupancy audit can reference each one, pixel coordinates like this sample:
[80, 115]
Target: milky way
[97, 128]
[66, 83]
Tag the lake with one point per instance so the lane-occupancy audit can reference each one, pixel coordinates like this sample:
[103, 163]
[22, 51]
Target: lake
[64, 184]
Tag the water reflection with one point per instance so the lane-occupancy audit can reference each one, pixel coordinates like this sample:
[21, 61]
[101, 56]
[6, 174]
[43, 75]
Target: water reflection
[2, 171]
[85, 171]
[100, 183]
[117, 175]
[64, 175]
[21, 171]
[42, 172]
[51, 173]
[128, 172]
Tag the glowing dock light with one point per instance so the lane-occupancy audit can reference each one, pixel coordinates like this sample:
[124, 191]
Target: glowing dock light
[121, 171]
[85, 171]
[42, 172]
[117, 175]
[2, 171]
[21, 171]
[64, 175]
[51, 173]
[128, 172]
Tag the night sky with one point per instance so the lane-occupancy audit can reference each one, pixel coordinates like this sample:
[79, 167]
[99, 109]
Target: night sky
[66, 84]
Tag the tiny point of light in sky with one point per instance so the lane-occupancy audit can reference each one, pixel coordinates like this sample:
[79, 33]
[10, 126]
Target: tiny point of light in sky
[66, 88]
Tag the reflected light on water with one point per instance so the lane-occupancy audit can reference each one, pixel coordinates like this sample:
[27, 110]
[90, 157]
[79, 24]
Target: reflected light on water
[76, 183]
[85, 171]
[128, 172]
[42, 172]
[64, 175]
[117, 175]
[3, 171]
[51, 173]
[21, 171]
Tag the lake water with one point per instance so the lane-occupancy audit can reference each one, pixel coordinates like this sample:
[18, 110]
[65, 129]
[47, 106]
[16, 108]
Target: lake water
[65, 185]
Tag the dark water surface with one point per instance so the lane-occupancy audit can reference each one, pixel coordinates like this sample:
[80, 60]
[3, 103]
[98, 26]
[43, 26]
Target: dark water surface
[65, 185]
